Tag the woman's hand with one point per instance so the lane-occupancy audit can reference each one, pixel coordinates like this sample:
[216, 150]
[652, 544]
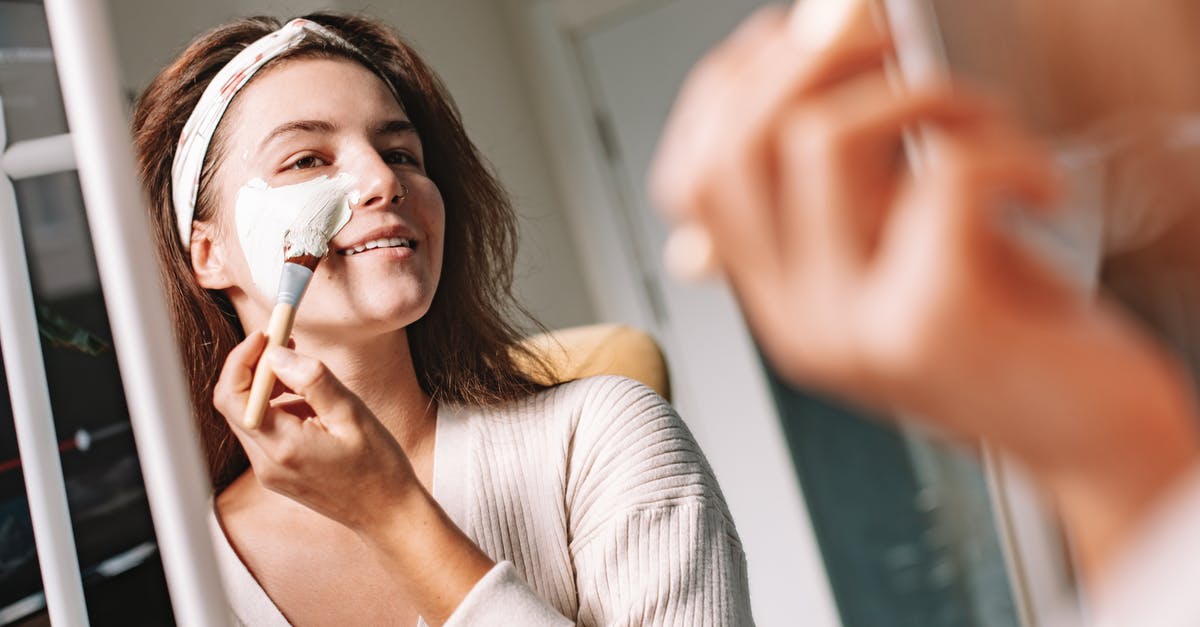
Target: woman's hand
[321, 447]
[907, 292]
[328, 451]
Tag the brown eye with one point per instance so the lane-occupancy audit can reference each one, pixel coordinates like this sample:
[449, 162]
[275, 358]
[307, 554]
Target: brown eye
[303, 163]
[400, 157]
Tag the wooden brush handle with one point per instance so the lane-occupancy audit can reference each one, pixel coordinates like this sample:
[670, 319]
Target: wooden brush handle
[278, 330]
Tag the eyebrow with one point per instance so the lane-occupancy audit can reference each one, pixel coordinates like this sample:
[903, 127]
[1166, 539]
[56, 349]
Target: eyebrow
[296, 126]
[390, 127]
[395, 127]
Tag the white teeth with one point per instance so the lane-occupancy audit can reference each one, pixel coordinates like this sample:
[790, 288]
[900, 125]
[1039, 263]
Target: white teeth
[383, 242]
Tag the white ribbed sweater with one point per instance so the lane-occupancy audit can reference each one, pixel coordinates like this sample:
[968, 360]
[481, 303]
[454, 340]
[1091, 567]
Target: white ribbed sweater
[594, 500]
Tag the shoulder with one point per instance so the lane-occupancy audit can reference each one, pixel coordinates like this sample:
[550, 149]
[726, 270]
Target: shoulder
[613, 446]
[606, 427]
[606, 396]
[631, 451]
[579, 408]
[609, 414]
[617, 418]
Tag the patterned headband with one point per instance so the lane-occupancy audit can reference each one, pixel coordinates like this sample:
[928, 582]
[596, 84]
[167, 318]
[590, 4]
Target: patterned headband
[198, 132]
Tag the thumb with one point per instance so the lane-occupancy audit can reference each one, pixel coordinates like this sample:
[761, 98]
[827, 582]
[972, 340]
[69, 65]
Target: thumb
[313, 381]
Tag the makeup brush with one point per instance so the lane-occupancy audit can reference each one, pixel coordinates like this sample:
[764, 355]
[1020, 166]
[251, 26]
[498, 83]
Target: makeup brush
[313, 212]
[297, 272]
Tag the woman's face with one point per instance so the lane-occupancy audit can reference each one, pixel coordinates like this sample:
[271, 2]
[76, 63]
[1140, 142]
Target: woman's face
[312, 118]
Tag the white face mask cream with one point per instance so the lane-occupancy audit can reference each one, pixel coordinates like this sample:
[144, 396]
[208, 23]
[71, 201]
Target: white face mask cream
[306, 214]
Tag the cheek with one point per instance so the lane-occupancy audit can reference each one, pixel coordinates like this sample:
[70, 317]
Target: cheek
[304, 215]
[439, 227]
[432, 214]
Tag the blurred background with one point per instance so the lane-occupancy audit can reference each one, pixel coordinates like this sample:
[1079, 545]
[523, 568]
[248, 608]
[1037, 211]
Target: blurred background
[844, 521]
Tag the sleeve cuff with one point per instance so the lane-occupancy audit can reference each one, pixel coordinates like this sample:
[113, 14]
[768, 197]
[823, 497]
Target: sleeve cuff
[502, 598]
[1153, 581]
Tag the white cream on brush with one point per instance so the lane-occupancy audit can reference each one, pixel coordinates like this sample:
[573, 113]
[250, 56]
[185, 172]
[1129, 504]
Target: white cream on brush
[307, 214]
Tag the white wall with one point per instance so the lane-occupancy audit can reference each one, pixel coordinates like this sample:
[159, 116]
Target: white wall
[464, 42]
[150, 33]
[467, 43]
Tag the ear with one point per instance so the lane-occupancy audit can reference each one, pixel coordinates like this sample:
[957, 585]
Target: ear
[209, 257]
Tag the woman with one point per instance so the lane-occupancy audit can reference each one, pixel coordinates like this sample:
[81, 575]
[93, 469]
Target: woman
[409, 469]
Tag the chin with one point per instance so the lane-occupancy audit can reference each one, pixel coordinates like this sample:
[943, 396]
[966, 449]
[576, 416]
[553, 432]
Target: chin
[395, 312]
[369, 317]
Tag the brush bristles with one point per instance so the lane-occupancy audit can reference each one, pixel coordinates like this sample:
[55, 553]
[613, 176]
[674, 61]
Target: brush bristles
[308, 261]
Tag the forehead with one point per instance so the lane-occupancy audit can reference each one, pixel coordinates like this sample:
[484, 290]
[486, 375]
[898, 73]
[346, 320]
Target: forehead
[338, 91]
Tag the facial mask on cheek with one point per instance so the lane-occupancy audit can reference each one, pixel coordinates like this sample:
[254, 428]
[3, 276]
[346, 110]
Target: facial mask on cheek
[312, 211]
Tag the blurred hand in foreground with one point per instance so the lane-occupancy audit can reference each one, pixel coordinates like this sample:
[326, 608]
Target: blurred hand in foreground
[905, 292]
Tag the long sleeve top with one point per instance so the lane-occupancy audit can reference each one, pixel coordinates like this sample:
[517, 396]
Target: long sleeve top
[1152, 580]
[594, 500]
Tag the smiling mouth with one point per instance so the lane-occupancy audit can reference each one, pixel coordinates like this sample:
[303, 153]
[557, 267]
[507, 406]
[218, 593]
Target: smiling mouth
[383, 242]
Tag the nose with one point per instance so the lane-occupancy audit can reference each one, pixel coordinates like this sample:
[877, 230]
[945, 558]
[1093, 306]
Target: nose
[379, 185]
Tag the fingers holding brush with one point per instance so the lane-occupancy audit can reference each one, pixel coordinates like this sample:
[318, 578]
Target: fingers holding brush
[232, 391]
[233, 386]
[328, 399]
[319, 446]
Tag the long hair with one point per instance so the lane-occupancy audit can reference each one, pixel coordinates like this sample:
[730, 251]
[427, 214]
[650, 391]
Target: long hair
[465, 349]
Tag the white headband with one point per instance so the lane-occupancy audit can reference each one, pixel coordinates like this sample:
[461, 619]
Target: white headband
[198, 132]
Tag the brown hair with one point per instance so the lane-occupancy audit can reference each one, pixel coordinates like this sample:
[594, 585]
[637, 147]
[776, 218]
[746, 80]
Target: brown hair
[465, 349]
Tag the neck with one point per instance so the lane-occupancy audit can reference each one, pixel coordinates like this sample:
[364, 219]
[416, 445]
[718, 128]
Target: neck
[380, 372]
